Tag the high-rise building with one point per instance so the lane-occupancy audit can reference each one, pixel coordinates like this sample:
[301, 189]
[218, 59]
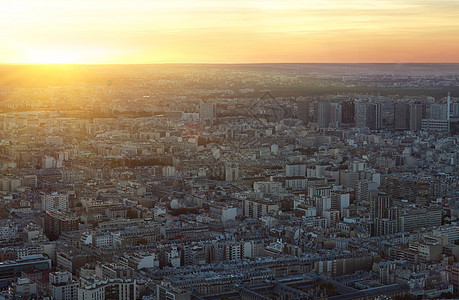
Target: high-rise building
[401, 116]
[340, 201]
[416, 110]
[374, 116]
[207, 111]
[455, 110]
[315, 111]
[57, 222]
[438, 111]
[303, 111]
[335, 115]
[324, 114]
[347, 112]
[385, 216]
[360, 114]
[379, 205]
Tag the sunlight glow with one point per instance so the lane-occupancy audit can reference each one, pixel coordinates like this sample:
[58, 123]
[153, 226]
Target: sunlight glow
[141, 31]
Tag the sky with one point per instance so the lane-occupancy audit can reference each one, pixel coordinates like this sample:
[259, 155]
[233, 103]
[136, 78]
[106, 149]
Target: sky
[228, 31]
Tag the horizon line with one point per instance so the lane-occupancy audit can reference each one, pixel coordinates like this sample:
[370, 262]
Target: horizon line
[225, 63]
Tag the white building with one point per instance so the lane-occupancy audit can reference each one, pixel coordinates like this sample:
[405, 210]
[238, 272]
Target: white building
[173, 257]
[229, 214]
[95, 289]
[294, 170]
[22, 287]
[140, 260]
[168, 171]
[55, 201]
[267, 188]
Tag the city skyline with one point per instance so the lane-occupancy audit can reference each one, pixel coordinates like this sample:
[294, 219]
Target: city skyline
[141, 32]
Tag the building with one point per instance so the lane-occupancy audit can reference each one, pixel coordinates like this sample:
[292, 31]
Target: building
[23, 288]
[335, 115]
[416, 115]
[167, 292]
[11, 270]
[57, 222]
[360, 114]
[257, 208]
[401, 116]
[114, 289]
[229, 214]
[414, 220]
[385, 217]
[232, 172]
[54, 202]
[262, 188]
[207, 111]
[8, 231]
[374, 116]
[324, 114]
[340, 201]
[295, 170]
[303, 111]
[434, 125]
[347, 112]
[113, 270]
[62, 286]
[438, 111]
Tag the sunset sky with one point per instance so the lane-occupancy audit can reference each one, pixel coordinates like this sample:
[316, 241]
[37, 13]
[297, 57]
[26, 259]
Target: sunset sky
[228, 31]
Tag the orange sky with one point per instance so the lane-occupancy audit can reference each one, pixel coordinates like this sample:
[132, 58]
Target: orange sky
[228, 31]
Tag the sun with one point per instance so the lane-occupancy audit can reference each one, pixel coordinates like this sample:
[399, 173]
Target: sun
[59, 56]
[45, 57]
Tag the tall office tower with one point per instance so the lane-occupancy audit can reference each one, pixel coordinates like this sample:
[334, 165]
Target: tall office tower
[415, 116]
[335, 115]
[385, 217]
[448, 104]
[401, 116]
[455, 110]
[379, 206]
[360, 114]
[303, 111]
[347, 112]
[315, 111]
[324, 114]
[438, 111]
[374, 116]
[207, 111]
